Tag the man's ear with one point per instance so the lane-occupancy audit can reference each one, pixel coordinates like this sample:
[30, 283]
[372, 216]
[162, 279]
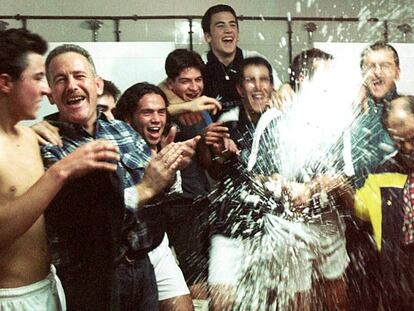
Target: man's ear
[207, 37]
[169, 83]
[99, 85]
[6, 83]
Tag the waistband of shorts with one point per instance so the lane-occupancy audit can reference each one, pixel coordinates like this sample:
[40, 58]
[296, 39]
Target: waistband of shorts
[30, 288]
[26, 289]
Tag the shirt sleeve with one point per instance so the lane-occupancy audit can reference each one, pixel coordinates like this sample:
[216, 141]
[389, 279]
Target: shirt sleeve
[131, 199]
[49, 155]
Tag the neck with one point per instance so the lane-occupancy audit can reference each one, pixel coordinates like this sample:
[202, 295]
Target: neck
[226, 59]
[252, 115]
[7, 120]
[89, 126]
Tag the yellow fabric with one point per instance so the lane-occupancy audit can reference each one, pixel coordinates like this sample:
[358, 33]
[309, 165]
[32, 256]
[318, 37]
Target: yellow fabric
[368, 199]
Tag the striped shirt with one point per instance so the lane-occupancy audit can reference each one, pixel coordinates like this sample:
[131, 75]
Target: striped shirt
[134, 157]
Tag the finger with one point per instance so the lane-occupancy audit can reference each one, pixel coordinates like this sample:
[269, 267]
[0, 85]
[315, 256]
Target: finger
[170, 136]
[108, 156]
[50, 138]
[169, 158]
[164, 151]
[176, 164]
[105, 166]
[192, 143]
[183, 119]
[101, 144]
[40, 140]
[195, 118]
[51, 127]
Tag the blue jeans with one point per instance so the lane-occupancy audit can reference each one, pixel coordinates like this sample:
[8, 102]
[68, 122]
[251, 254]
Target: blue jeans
[136, 286]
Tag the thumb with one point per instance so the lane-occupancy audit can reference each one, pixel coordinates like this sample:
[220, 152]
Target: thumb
[153, 153]
[169, 138]
[196, 140]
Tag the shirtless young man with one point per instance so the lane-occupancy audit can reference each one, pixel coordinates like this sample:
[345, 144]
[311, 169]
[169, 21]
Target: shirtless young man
[27, 281]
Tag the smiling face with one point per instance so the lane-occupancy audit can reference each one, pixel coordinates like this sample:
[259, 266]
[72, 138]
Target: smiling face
[27, 91]
[149, 118]
[188, 85]
[224, 34]
[75, 88]
[381, 72]
[256, 89]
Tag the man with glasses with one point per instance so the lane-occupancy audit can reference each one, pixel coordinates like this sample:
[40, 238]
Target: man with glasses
[380, 67]
[370, 145]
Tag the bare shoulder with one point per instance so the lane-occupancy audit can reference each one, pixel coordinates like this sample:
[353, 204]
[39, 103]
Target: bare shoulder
[27, 134]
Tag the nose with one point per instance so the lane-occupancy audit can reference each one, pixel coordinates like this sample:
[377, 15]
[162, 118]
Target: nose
[193, 85]
[46, 89]
[155, 118]
[256, 84]
[71, 85]
[377, 69]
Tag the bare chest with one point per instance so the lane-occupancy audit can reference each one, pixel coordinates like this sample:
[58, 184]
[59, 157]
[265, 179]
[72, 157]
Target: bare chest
[20, 167]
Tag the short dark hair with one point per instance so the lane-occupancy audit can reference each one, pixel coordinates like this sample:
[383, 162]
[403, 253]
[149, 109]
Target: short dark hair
[15, 45]
[206, 20]
[379, 45]
[255, 61]
[389, 108]
[303, 64]
[181, 59]
[127, 104]
[66, 48]
[111, 89]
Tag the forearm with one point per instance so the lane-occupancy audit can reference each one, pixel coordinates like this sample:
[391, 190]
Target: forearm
[175, 109]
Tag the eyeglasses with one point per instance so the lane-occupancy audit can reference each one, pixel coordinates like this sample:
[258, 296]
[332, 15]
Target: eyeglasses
[254, 80]
[384, 67]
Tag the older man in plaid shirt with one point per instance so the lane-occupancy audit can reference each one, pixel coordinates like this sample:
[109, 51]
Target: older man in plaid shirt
[140, 178]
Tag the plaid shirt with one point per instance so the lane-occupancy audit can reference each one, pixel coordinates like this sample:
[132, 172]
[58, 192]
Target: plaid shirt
[134, 157]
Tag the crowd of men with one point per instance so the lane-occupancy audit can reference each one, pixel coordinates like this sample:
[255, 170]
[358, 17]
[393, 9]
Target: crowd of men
[129, 201]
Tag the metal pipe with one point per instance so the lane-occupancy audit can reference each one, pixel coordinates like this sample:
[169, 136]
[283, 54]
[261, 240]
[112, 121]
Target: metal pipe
[385, 33]
[290, 41]
[190, 32]
[117, 30]
[149, 17]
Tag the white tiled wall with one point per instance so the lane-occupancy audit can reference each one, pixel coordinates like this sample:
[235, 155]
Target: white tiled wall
[267, 37]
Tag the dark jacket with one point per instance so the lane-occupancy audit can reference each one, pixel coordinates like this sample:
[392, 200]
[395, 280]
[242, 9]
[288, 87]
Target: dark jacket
[84, 224]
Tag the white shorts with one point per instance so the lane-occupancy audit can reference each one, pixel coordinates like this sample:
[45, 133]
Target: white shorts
[225, 262]
[169, 277]
[299, 251]
[47, 295]
[325, 256]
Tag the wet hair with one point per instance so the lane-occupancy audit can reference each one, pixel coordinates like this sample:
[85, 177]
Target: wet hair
[253, 61]
[127, 104]
[389, 108]
[111, 89]
[15, 45]
[181, 59]
[66, 48]
[303, 64]
[379, 45]
[206, 20]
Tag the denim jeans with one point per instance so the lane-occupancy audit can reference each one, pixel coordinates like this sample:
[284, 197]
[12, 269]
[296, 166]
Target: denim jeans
[136, 286]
